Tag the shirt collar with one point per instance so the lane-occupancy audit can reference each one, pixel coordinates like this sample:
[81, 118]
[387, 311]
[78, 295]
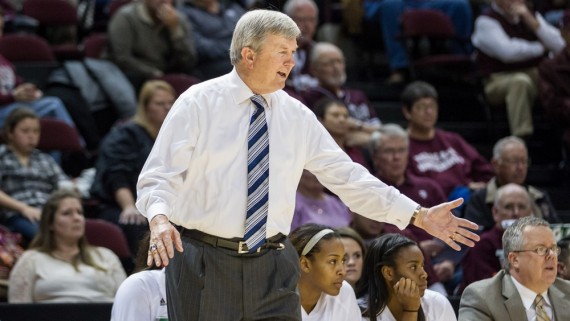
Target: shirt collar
[513, 20]
[527, 295]
[143, 14]
[491, 190]
[241, 92]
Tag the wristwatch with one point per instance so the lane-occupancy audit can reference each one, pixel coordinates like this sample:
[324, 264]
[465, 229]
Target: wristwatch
[415, 215]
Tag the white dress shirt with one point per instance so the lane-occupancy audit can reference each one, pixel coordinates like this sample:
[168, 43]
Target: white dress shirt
[528, 296]
[196, 173]
[490, 37]
[141, 297]
[342, 307]
[435, 307]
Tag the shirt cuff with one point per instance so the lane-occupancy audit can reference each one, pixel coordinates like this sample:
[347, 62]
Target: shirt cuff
[402, 211]
[157, 209]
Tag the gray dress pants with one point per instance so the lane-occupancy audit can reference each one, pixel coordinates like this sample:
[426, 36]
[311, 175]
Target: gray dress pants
[206, 283]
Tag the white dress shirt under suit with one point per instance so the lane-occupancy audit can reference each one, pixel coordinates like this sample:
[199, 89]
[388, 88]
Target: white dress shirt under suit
[196, 173]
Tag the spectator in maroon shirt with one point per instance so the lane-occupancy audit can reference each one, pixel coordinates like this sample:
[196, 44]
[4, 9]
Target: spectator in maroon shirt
[511, 162]
[484, 260]
[389, 150]
[305, 13]
[328, 66]
[333, 114]
[435, 153]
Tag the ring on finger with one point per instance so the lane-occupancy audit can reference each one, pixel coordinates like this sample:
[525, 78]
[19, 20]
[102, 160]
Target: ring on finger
[153, 248]
[452, 236]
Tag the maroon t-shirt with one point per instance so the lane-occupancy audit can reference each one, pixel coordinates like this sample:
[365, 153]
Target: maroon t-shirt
[482, 261]
[448, 160]
[358, 105]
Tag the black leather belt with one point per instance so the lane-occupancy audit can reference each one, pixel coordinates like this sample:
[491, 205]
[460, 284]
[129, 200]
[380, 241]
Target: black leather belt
[238, 245]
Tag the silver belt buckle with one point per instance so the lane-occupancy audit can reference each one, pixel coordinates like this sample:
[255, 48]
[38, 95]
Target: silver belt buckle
[242, 248]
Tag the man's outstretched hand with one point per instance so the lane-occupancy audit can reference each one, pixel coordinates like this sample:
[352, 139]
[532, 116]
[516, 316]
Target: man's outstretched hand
[441, 223]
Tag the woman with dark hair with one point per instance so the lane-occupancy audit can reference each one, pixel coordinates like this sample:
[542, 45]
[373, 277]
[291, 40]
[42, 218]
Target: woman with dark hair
[394, 284]
[60, 265]
[334, 115]
[27, 176]
[324, 293]
[142, 296]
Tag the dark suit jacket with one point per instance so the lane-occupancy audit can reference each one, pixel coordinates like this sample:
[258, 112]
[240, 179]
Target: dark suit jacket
[497, 299]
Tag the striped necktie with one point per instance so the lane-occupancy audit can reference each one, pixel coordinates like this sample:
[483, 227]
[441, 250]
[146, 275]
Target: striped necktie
[257, 177]
[539, 309]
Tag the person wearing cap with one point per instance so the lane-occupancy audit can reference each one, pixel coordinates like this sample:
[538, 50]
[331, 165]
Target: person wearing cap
[324, 293]
[554, 83]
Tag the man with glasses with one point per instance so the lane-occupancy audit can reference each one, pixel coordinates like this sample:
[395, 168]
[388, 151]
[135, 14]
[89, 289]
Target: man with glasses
[527, 288]
[389, 150]
[436, 153]
[510, 161]
[485, 259]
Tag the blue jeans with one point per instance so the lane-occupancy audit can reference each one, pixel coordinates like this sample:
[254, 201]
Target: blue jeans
[20, 224]
[389, 11]
[51, 107]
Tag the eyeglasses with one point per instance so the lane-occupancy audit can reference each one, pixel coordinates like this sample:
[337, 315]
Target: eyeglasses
[516, 161]
[514, 207]
[393, 151]
[543, 250]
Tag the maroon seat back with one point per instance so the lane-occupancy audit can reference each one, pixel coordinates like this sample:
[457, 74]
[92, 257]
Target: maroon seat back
[106, 234]
[180, 82]
[95, 45]
[25, 48]
[51, 12]
[57, 135]
[441, 57]
[426, 22]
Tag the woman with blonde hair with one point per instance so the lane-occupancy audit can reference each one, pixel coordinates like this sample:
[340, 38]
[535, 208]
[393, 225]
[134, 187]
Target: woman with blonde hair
[60, 265]
[122, 155]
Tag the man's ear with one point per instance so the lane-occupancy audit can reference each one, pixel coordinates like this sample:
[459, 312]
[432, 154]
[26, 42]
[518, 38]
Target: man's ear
[495, 163]
[248, 56]
[561, 269]
[387, 273]
[514, 260]
[406, 113]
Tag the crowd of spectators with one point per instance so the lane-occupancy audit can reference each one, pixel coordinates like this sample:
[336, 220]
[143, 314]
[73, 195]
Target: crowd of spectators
[521, 55]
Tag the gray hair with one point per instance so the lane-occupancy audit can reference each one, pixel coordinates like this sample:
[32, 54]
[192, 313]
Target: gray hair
[291, 5]
[321, 47]
[387, 130]
[254, 26]
[513, 238]
[503, 142]
[507, 189]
